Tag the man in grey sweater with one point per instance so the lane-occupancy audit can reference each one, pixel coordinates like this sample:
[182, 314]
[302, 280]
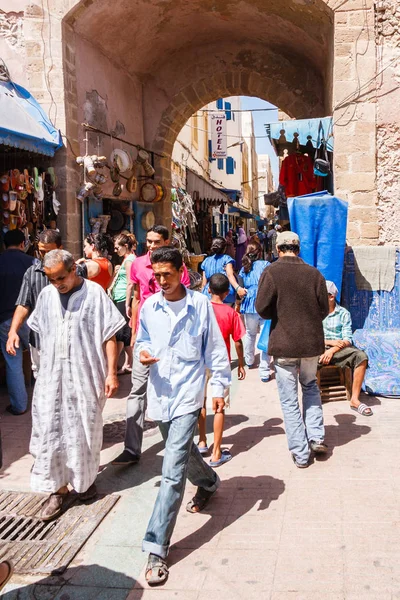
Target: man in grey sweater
[293, 295]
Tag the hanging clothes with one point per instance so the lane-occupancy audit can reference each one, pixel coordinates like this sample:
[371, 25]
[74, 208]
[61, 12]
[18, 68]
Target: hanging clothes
[297, 175]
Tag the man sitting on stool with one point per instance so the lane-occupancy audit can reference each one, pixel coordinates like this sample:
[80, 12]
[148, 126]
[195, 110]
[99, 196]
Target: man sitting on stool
[339, 350]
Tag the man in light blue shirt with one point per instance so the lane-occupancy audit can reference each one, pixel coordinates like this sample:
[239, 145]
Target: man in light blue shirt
[178, 337]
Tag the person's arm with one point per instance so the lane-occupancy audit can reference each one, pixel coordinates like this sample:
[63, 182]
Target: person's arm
[134, 311]
[93, 268]
[128, 301]
[143, 348]
[21, 314]
[241, 291]
[266, 296]
[240, 355]
[204, 282]
[111, 384]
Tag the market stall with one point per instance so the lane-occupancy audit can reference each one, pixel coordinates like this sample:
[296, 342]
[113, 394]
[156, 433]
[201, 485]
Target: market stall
[28, 180]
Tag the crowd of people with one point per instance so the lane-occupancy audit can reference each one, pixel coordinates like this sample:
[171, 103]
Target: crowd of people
[78, 317]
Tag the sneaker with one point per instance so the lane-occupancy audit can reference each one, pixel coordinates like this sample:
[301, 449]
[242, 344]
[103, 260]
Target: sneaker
[318, 447]
[298, 464]
[125, 458]
[265, 379]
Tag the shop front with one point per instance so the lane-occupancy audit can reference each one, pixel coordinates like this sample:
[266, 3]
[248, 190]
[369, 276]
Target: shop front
[28, 179]
[211, 209]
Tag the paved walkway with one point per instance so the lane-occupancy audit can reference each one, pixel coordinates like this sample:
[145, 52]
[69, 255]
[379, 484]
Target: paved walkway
[272, 532]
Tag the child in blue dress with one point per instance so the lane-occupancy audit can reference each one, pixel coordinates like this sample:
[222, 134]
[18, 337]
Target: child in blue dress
[220, 262]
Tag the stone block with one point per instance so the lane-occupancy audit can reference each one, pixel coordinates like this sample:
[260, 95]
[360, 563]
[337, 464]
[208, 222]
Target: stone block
[363, 162]
[33, 10]
[361, 17]
[36, 81]
[364, 182]
[349, 35]
[341, 162]
[365, 199]
[364, 215]
[342, 49]
[33, 49]
[353, 230]
[370, 230]
[344, 69]
[341, 18]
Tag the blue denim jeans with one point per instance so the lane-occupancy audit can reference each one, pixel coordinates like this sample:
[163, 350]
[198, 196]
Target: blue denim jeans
[181, 459]
[14, 368]
[300, 429]
[253, 323]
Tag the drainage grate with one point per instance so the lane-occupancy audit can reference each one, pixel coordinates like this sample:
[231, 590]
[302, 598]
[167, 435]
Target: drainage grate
[37, 547]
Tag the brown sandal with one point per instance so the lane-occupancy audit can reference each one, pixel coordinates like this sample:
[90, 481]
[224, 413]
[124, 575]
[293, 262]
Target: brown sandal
[199, 500]
[158, 568]
[10, 573]
[52, 507]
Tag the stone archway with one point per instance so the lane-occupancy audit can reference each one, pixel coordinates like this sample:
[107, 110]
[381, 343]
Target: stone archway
[153, 64]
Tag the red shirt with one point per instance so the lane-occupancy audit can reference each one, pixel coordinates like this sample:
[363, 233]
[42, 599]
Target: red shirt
[142, 274]
[230, 324]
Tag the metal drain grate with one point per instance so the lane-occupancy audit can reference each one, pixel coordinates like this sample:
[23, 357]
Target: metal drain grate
[37, 547]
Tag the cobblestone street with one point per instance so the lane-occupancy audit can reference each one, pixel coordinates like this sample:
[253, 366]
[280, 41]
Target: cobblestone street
[272, 532]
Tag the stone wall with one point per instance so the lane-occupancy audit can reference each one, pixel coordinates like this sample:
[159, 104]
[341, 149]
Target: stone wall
[388, 119]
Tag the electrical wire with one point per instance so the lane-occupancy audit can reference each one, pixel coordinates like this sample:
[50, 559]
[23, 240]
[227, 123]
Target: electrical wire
[46, 74]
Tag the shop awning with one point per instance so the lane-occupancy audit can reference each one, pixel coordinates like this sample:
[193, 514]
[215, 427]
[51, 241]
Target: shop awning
[23, 122]
[234, 210]
[304, 127]
[206, 191]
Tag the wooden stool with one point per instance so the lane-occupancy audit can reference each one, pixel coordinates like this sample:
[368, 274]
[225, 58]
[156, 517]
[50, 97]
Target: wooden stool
[335, 383]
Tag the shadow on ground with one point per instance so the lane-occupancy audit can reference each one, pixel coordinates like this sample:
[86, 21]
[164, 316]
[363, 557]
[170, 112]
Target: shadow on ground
[240, 493]
[104, 584]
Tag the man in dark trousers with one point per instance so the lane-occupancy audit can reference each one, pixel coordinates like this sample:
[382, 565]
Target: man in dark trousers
[13, 265]
[293, 296]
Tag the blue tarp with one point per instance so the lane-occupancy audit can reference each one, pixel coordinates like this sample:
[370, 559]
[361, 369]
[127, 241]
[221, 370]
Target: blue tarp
[23, 122]
[320, 220]
[304, 127]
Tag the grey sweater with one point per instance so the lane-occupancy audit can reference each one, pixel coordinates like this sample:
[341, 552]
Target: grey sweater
[293, 296]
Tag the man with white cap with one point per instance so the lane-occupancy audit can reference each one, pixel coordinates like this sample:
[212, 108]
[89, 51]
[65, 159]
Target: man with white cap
[293, 295]
[339, 350]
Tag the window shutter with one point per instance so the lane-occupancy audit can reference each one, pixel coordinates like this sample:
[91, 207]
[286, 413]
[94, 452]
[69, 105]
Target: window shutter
[220, 164]
[220, 103]
[228, 111]
[210, 158]
[230, 168]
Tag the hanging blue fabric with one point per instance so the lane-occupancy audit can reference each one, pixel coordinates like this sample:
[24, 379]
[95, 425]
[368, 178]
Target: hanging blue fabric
[320, 220]
[264, 337]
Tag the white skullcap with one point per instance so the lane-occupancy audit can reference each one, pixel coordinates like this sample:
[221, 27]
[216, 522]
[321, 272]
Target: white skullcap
[332, 289]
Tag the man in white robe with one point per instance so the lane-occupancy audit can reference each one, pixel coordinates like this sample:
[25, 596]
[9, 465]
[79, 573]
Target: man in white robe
[76, 323]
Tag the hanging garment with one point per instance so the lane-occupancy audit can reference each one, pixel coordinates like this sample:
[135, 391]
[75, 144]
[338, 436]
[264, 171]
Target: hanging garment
[297, 175]
[69, 396]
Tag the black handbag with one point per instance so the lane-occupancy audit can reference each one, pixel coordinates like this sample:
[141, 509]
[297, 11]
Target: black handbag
[322, 166]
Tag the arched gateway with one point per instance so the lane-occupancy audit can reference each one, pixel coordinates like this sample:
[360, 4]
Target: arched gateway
[142, 68]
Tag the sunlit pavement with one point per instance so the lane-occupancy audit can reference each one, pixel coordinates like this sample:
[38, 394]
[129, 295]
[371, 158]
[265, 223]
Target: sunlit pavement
[273, 531]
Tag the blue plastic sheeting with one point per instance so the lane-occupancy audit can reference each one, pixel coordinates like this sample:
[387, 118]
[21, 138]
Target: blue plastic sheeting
[23, 122]
[320, 220]
[379, 310]
[383, 349]
[304, 127]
